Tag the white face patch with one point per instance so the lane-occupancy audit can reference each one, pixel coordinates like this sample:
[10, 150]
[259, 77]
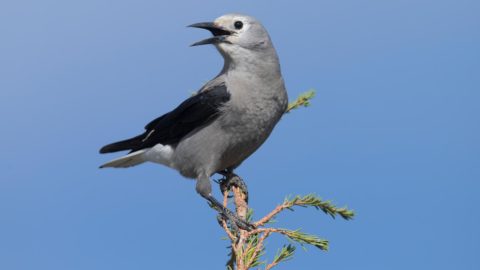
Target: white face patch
[246, 33]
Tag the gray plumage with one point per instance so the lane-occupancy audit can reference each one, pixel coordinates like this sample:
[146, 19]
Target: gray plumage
[229, 118]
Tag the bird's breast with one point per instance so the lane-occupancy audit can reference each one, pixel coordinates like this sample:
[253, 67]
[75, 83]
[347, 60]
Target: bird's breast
[249, 121]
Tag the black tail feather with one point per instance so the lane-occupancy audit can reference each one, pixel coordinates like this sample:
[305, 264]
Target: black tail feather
[129, 144]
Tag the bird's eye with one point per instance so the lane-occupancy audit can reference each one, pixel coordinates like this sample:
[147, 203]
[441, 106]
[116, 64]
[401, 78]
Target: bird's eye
[238, 25]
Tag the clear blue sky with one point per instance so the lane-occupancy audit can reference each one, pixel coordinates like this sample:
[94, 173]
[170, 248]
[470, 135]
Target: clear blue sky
[393, 132]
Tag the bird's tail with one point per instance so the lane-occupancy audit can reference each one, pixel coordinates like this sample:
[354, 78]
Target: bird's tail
[129, 160]
[128, 144]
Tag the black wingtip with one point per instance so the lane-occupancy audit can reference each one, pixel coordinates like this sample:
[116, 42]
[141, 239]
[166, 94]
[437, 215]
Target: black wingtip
[103, 150]
[124, 145]
[114, 147]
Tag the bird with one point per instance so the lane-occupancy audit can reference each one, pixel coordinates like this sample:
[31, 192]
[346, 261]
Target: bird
[226, 120]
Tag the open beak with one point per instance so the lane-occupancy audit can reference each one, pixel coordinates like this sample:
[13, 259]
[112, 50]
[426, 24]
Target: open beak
[219, 33]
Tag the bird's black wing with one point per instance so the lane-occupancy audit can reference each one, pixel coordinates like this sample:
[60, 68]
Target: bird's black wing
[171, 127]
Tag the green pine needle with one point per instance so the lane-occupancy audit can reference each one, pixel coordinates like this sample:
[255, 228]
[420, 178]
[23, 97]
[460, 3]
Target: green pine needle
[326, 206]
[284, 254]
[249, 253]
[303, 238]
[249, 215]
[302, 101]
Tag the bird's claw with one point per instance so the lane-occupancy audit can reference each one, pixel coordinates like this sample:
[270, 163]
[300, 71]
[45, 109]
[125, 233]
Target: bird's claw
[235, 221]
[233, 180]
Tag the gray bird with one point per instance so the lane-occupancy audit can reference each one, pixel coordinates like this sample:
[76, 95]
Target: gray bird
[226, 121]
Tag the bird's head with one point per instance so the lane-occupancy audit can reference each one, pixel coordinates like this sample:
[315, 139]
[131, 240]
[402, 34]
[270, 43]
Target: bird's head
[235, 32]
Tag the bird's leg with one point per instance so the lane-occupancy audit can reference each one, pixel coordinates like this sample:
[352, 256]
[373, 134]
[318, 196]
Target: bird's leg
[232, 180]
[204, 188]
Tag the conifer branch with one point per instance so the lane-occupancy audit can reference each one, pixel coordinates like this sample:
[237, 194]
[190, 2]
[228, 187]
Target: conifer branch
[305, 201]
[326, 206]
[248, 247]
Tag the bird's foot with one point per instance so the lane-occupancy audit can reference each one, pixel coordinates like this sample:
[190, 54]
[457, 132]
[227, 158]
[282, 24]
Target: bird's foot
[228, 216]
[235, 221]
[232, 180]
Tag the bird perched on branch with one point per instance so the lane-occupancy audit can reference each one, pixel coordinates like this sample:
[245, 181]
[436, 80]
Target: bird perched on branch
[226, 121]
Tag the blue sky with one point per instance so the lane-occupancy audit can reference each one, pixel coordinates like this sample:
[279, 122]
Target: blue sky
[392, 133]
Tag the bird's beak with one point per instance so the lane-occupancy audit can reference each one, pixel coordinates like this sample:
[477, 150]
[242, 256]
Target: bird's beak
[218, 32]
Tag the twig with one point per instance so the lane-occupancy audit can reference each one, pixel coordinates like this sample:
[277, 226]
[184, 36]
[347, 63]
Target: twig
[240, 203]
[302, 101]
[224, 223]
[270, 215]
[271, 265]
[284, 254]
[258, 248]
